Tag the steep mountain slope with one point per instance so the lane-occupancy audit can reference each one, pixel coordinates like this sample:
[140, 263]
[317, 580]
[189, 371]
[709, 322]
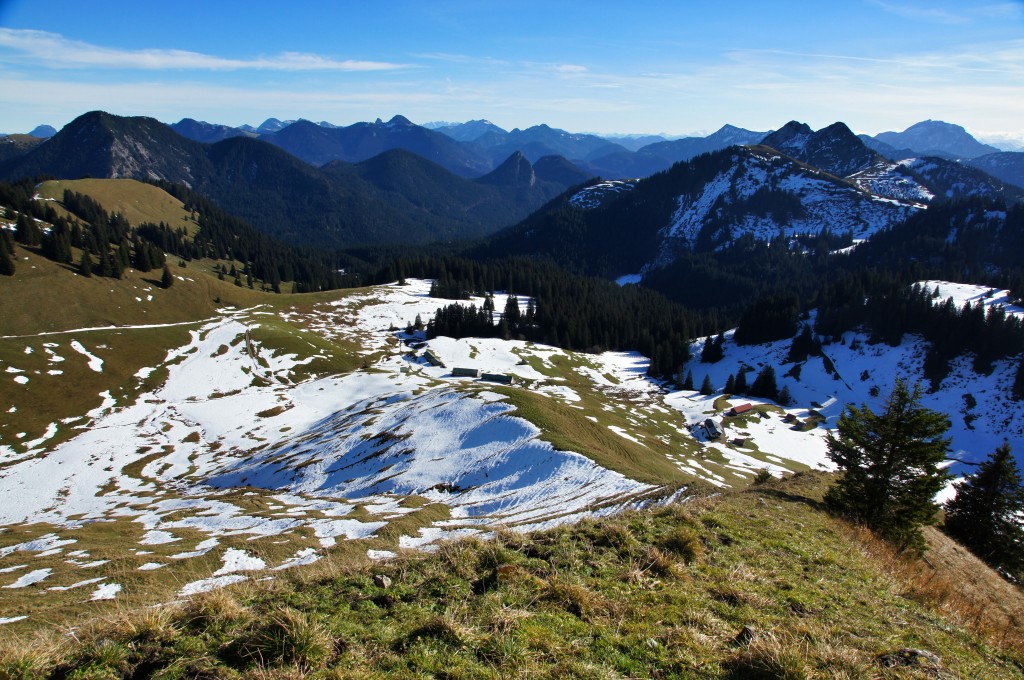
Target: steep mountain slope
[838, 151]
[937, 138]
[892, 180]
[16, 146]
[560, 171]
[98, 144]
[760, 194]
[1006, 165]
[950, 179]
[704, 204]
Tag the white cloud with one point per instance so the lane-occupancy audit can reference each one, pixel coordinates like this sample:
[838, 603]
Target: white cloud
[56, 51]
[918, 13]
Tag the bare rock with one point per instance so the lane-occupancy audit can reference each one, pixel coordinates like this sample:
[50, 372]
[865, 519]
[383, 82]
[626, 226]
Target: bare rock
[915, 658]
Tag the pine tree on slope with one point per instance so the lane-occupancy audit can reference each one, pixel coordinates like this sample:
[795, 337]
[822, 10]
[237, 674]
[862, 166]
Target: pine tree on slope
[890, 464]
[986, 513]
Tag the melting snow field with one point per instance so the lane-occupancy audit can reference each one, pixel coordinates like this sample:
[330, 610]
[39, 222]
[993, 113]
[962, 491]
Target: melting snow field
[236, 465]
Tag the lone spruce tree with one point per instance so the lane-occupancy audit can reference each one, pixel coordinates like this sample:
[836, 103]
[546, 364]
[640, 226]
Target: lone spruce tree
[986, 513]
[890, 464]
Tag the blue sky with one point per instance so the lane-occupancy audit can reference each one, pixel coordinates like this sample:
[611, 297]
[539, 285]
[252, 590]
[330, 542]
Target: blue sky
[645, 67]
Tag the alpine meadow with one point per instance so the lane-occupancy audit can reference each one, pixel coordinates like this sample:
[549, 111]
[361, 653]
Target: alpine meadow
[701, 356]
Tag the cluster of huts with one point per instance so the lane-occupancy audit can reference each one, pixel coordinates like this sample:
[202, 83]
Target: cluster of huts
[712, 429]
[458, 372]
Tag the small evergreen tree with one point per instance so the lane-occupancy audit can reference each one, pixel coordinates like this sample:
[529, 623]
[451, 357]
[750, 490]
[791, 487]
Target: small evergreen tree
[730, 384]
[6, 262]
[706, 388]
[803, 345]
[986, 513]
[741, 382]
[707, 353]
[890, 464]
[85, 263]
[764, 384]
[1017, 390]
[688, 381]
[785, 398]
[27, 231]
[167, 280]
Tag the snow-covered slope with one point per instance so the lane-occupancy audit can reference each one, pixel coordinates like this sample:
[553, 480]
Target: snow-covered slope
[235, 463]
[854, 371]
[596, 194]
[726, 206]
[891, 180]
[461, 449]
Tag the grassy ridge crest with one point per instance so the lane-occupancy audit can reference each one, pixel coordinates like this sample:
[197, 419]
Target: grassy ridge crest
[664, 592]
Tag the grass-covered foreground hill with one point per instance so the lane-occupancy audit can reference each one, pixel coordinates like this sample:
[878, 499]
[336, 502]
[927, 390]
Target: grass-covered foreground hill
[747, 584]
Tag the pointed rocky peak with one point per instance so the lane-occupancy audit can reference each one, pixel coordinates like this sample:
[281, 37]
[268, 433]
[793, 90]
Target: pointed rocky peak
[834, 149]
[516, 171]
[837, 131]
[790, 138]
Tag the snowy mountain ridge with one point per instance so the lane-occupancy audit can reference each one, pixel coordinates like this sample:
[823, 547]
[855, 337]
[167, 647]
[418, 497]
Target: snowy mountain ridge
[813, 201]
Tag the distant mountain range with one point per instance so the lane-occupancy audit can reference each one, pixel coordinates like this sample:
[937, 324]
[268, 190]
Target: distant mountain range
[393, 197]
[476, 147]
[796, 183]
[397, 182]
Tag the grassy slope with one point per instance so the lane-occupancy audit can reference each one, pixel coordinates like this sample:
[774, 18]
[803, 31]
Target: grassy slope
[659, 593]
[34, 309]
[137, 201]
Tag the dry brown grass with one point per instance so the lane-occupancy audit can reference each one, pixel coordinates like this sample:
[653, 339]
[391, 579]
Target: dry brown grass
[951, 579]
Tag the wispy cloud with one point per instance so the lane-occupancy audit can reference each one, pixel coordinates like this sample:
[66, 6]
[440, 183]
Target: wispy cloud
[996, 58]
[56, 51]
[919, 13]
